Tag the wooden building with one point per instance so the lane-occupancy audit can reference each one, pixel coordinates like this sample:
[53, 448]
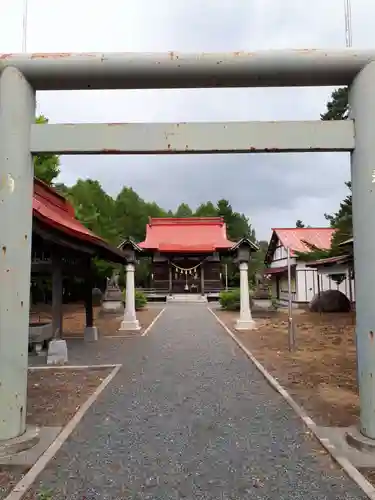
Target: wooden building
[338, 271]
[186, 254]
[63, 246]
[306, 279]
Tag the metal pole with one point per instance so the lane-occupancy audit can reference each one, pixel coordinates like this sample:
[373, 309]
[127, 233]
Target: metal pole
[362, 105]
[17, 113]
[291, 338]
[24, 26]
[348, 23]
[226, 276]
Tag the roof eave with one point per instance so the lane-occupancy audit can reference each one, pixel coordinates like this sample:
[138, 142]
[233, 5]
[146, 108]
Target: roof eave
[245, 241]
[132, 243]
[340, 260]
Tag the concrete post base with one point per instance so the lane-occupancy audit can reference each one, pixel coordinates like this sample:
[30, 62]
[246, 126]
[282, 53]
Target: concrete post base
[112, 307]
[245, 324]
[25, 450]
[91, 333]
[362, 443]
[57, 352]
[350, 444]
[129, 325]
[19, 444]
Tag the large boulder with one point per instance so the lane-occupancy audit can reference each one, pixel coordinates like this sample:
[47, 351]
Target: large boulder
[330, 301]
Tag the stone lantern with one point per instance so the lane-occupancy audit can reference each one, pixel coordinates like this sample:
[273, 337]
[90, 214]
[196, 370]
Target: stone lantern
[242, 251]
[131, 251]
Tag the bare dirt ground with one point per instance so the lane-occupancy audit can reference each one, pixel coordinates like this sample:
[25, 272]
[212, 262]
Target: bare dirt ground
[54, 396]
[321, 373]
[108, 325]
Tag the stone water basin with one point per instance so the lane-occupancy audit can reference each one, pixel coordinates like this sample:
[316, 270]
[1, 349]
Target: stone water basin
[40, 332]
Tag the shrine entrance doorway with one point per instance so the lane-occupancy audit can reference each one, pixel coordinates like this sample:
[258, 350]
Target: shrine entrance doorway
[186, 276]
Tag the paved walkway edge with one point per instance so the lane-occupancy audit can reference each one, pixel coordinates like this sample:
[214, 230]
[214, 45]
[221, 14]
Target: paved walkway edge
[26, 482]
[69, 367]
[153, 322]
[344, 463]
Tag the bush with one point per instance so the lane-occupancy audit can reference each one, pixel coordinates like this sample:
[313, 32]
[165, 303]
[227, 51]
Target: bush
[230, 300]
[140, 299]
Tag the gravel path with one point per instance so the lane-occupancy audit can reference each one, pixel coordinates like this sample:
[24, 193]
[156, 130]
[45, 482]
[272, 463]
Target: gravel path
[189, 417]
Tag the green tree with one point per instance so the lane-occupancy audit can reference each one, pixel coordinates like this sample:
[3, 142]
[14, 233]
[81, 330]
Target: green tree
[337, 106]
[342, 221]
[256, 263]
[131, 217]
[238, 225]
[300, 224]
[94, 208]
[337, 109]
[132, 214]
[46, 167]
[183, 211]
[207, 209]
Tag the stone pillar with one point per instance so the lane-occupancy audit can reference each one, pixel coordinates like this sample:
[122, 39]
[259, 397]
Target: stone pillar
[91, 331]
[130, 321]
[362, 104]
[245, 321]
[57, 347]
[170, 279]
[57, 295]
[349, 276]
[17, 113]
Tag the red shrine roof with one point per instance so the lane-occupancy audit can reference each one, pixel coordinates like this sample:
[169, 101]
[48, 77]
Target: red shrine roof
[190, 234]
[52, 209]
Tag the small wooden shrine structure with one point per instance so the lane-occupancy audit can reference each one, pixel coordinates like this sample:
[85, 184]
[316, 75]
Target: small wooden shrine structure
[62, 246]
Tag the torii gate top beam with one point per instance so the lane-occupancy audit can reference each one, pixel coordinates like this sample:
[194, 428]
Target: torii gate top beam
[268, 68]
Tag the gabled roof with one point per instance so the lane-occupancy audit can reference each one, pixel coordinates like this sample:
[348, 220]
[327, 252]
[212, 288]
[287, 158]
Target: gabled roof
[55, 212]
[184, 235]
[245, 241]
[128, 242]
[296, 238]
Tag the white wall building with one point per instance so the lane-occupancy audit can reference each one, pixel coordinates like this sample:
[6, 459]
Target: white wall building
[307, 279]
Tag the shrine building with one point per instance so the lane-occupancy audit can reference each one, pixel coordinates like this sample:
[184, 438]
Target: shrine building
[186, 254]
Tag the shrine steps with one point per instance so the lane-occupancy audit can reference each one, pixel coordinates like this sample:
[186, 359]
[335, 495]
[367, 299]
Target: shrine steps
[187, 298]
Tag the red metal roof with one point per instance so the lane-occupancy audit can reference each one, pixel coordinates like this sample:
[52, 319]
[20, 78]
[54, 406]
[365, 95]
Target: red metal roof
[55, 211]
[295, 238]
[190, 234]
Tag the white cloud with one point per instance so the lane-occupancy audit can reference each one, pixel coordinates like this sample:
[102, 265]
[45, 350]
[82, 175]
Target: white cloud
[273, 190]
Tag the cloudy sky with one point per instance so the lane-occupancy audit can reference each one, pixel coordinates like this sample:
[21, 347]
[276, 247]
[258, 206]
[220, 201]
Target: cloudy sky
[273, 190]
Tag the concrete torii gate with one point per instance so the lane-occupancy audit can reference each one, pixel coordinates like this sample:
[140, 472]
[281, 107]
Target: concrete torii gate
[20, 138]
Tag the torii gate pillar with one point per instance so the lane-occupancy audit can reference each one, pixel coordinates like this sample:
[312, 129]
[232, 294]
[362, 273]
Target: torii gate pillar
[362, 104]
[17, 113]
